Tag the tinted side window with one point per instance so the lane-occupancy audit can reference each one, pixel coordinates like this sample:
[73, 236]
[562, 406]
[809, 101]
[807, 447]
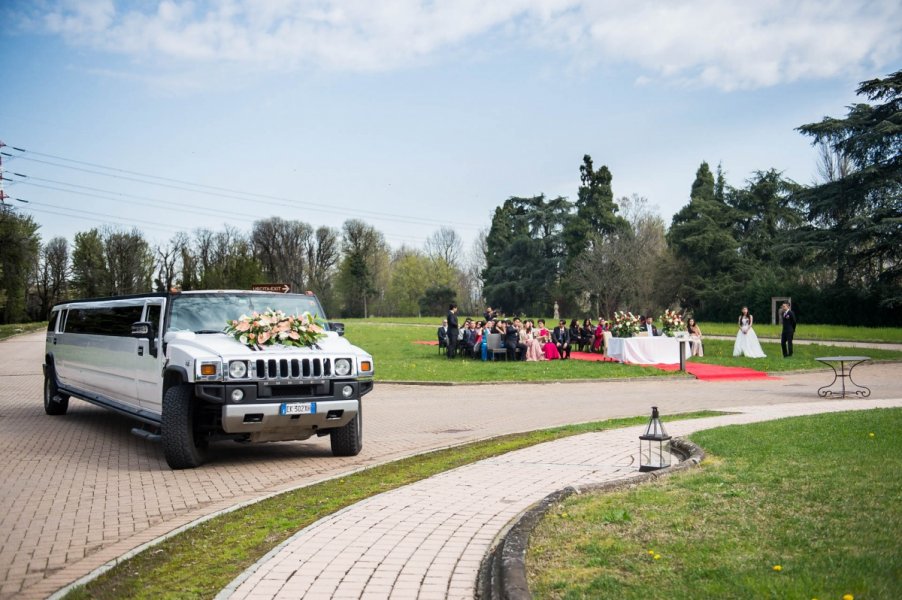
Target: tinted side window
[153, 315]
[115, 321]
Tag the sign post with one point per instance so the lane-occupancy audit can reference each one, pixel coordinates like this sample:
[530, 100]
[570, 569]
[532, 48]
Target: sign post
[282, 288]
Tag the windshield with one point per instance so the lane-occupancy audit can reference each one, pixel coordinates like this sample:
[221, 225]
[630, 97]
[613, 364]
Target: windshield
[209, 312]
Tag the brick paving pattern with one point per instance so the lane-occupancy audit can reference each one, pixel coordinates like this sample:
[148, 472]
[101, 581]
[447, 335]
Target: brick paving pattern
[426, 540]
[79, 490]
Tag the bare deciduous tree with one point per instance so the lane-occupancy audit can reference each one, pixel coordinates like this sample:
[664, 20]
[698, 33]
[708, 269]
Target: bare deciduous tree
[444, 245]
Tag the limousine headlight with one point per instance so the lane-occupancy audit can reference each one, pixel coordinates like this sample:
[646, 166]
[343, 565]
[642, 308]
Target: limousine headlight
[342, 367]
[237, 369]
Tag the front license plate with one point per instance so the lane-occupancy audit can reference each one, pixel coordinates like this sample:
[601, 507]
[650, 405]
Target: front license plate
[298, 408]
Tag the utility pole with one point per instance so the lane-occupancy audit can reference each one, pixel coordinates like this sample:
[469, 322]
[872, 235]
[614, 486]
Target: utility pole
[3, 195]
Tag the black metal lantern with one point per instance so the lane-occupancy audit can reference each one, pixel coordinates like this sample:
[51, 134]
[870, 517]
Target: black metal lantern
[654, 445]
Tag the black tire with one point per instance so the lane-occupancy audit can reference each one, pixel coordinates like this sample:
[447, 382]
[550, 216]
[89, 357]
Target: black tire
[348, 440]
[183, 446]
[55, 402]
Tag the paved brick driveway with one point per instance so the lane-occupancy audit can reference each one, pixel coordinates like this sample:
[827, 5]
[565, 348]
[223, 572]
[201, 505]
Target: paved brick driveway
[80, 490]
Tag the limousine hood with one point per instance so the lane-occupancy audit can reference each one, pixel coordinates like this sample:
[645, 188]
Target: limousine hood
[227, 346]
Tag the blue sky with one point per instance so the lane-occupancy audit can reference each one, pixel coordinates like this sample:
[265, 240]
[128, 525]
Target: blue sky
[409, 114]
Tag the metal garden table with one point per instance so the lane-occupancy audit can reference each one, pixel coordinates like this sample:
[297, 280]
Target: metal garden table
[842, 369]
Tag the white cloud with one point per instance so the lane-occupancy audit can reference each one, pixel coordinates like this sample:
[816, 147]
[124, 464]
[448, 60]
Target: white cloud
[727, 44]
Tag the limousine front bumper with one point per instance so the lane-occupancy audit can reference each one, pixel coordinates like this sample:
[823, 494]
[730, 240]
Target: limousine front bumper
[267, 423]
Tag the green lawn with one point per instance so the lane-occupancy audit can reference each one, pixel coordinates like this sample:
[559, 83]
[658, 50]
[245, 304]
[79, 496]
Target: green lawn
[817, 496]
[397, 358]
[199, 562]
[12, 329]
[840, 333]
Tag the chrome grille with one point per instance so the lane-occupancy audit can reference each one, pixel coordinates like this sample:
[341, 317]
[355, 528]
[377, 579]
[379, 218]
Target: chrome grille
[295, 368]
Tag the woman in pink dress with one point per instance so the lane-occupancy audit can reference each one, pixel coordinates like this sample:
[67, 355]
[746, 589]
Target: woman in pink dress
[533, 347]
[548, 346]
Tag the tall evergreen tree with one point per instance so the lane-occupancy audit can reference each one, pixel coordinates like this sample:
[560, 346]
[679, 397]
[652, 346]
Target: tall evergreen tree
[596, 212]
[19, 247]
[701, 234]
[525, 254]
[857, 218]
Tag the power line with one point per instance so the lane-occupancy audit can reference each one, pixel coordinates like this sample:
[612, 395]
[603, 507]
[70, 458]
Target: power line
[217, 191]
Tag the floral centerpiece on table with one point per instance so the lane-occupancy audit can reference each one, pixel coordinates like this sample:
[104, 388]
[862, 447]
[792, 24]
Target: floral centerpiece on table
[273, 327]
[672, 322]
[625, 324]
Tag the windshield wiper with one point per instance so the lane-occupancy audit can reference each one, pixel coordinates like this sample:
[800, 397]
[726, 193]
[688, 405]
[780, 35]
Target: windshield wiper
[210, 331]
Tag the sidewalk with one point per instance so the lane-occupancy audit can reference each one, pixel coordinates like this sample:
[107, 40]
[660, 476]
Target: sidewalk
[427, 540]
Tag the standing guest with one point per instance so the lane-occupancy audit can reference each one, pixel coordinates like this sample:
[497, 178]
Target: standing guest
[789, 330]
[695, 337]
[453, 330]
[746, 339]
[548, 347]
[574, 334]
[442, 333]
[561, 338]
[488, 314]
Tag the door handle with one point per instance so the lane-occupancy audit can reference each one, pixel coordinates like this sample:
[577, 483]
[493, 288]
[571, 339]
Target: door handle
[140, 350]
[54, 340]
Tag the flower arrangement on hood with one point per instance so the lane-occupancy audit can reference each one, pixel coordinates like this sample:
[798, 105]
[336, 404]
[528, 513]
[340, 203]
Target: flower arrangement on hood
[672, 322]
[625, 324]
[274, 327]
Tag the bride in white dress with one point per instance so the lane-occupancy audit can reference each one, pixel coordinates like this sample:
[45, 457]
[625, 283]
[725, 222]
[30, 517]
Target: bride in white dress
[746, 340]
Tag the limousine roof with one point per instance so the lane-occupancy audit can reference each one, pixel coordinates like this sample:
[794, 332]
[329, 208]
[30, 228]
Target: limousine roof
[167, 295]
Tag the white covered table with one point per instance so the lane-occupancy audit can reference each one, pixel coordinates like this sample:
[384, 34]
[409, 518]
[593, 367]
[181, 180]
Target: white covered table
[647, 350]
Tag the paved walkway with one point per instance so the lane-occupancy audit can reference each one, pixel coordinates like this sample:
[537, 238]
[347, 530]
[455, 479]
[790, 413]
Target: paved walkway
[426, 540]
[80, 491]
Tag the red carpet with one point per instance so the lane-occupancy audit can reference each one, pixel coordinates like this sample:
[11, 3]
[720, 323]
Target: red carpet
[427, 342]
[590, 356]
[706, 372]
[702, 371]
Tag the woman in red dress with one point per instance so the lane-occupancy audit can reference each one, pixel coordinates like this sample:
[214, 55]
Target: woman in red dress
[548, 346]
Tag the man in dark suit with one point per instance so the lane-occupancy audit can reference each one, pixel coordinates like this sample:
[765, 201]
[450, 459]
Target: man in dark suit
[561, 338]
[648, 324]
[453, 330]
[789, 330]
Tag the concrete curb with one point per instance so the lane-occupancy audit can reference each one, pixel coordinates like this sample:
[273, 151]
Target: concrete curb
[502, 574]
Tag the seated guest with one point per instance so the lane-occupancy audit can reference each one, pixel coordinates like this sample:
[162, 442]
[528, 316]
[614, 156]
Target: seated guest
[598, 336]
[695, 337]
[561, 338]
[548, 347]
[442, 334]
[574, 334]
[512, 341]
[648, 325]
[529, 337]
[468, 338]
[586, 335]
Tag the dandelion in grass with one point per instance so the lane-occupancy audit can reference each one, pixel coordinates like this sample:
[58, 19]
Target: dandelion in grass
[872, 434]
[657, 557]
[777, 568]
[848, 597]
[651, 552]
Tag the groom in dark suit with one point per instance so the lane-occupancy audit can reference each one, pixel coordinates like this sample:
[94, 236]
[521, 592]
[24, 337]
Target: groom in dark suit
[789, 329]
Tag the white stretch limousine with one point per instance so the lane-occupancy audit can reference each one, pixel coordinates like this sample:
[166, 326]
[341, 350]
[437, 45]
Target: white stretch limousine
[168, 361]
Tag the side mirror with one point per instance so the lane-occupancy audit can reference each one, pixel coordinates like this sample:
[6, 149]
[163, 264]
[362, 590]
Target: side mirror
[338, 328]
[143, 330]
